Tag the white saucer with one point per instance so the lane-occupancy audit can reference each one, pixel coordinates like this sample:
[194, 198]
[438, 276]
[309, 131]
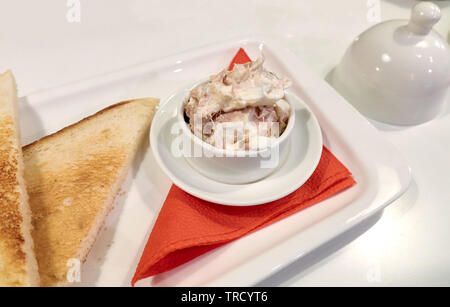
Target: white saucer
[303, 158]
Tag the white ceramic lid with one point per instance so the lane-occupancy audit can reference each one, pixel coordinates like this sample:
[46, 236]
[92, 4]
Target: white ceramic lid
[397, 71]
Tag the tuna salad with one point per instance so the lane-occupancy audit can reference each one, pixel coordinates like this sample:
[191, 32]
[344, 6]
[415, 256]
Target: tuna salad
[241, 109]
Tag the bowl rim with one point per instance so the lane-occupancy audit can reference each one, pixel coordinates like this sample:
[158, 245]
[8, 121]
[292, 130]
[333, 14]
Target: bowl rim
[218, 152]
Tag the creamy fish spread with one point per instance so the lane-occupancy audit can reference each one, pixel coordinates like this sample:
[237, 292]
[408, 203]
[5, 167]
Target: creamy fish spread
[241, 109]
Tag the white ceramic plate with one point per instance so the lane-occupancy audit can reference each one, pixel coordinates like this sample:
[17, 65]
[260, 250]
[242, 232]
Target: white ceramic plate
[377, 166]
[303, 157]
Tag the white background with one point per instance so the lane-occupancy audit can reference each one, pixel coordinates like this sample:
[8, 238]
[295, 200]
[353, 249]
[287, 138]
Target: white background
[408, 245]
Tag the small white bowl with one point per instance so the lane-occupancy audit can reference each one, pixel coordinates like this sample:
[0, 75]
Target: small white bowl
[302, 157]
[234, 166]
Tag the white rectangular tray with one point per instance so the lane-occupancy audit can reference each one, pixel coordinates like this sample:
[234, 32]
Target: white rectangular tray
[379, 169]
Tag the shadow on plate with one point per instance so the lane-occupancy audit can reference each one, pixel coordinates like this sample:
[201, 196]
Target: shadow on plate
[302, 266]
[305, 264]
[160, 182]
[31, 126]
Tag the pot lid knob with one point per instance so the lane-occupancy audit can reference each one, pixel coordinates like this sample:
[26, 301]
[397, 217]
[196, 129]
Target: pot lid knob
[424, 16]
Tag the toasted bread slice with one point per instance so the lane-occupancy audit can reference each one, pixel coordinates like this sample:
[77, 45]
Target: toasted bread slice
[73, 177]
[18, 266]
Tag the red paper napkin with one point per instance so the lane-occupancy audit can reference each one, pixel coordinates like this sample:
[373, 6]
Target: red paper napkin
[241, 57]
[188, 227]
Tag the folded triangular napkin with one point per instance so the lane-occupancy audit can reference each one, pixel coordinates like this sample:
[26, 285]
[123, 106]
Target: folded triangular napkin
[188, 227]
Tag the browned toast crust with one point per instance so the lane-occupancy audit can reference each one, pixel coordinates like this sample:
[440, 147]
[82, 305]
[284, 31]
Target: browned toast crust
[18, 265]
[73, 177]
[46, 138]
[11, 238]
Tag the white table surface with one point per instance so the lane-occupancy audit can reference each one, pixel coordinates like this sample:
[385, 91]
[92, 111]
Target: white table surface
[409, 244]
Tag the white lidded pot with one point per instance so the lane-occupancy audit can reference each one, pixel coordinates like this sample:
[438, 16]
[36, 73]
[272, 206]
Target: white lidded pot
[397, 71]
